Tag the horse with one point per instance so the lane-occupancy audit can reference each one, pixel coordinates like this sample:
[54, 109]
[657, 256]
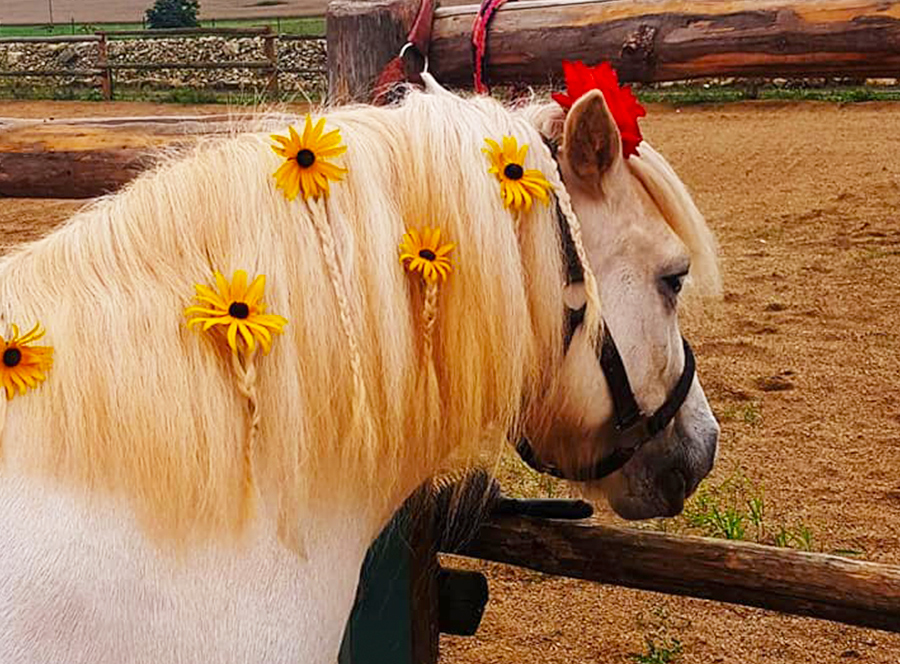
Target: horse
[124, 530]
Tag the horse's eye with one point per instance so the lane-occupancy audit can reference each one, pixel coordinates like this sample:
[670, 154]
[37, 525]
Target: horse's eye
[673, 283]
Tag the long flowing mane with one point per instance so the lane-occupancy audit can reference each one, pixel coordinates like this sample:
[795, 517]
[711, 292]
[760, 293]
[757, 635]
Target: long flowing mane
[139, 407]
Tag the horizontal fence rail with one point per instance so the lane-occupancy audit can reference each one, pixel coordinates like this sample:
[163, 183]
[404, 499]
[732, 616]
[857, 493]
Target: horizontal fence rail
[807, 584]
[667, 40]
[646, 40]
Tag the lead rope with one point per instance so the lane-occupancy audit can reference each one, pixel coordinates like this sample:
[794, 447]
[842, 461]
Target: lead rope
[483, 19]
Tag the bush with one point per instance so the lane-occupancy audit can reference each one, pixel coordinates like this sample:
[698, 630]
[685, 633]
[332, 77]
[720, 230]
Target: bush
[173, 14]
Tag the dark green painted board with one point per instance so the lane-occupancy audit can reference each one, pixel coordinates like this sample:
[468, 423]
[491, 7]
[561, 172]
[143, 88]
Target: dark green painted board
[380, 628]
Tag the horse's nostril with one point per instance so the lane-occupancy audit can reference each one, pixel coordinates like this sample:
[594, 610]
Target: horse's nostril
[673, 486]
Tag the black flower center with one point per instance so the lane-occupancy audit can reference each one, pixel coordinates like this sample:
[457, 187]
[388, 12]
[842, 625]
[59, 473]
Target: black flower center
[12, 357]
[306, 158]
[238, 310]
[513, 172]
[427, 254]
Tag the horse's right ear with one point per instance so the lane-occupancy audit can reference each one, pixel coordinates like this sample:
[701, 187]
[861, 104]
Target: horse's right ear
[592, 144]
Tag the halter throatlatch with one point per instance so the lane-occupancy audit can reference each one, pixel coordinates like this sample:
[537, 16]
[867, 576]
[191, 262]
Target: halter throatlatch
[633, 427]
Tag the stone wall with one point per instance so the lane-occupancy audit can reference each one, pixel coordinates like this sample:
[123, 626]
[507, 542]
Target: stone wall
[85, 56]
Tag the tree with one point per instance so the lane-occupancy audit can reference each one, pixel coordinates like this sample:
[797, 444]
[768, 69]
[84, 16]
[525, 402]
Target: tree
[173, 14]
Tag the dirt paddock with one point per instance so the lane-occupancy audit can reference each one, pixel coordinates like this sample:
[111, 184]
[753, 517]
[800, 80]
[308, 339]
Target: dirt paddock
[804, 200]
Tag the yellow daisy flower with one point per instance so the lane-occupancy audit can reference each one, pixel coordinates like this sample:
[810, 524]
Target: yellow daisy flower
[239, 308]
[23, 365]
[305, 168]
[424, 253]
[517, 185]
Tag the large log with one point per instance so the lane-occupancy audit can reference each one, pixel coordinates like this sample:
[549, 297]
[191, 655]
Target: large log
[89, 157]
[806, 584]
[664, 40]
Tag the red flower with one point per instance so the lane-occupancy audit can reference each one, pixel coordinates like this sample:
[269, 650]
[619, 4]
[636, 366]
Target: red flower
[622, 103]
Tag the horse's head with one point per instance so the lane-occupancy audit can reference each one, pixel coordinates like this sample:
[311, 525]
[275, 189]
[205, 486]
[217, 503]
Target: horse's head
[643, 238]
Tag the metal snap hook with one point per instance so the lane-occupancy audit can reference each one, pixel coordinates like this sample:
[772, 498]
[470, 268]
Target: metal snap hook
[409, 45]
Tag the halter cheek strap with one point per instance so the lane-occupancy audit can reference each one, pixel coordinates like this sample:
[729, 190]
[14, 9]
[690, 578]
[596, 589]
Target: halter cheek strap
[633, 427]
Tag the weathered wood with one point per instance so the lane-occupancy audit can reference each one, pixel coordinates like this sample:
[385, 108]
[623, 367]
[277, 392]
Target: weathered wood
[806, 584]
[663, 40]
[92, 156]
[362, 37]
[270, 50]
[106, 77]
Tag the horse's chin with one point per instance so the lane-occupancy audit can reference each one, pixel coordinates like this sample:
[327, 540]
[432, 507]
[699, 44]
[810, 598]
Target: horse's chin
[664, 498]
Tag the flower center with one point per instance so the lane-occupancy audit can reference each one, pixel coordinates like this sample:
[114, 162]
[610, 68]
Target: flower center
[513, 171]
[239, 310]
[427, 254]
[12, 357]
[306, 158]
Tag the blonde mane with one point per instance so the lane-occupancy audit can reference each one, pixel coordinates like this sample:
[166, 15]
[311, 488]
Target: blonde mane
[679, 210]
[138, 407]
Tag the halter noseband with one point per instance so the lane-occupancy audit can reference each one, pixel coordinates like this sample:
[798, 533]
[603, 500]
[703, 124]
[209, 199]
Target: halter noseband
[633, 427]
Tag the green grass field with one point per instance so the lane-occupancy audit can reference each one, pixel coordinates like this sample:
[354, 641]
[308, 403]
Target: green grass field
[314, 25]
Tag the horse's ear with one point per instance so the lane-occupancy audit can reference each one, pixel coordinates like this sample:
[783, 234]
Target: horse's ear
[591, 141]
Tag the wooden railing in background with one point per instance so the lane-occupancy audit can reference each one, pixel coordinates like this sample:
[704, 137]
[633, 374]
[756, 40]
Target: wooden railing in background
[106, 68]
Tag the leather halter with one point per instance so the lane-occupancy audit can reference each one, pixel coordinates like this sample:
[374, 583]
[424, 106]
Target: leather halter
[633, 427]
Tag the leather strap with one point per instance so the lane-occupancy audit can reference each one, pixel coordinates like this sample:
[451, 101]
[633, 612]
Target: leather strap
[395, 72]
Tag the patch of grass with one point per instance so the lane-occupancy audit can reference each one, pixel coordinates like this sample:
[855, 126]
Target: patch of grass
[661, 647]
[749, 412]
[163, 95]
[664, 652]
[797, 537]
[61, 93]
[689, 95]
[735, 509]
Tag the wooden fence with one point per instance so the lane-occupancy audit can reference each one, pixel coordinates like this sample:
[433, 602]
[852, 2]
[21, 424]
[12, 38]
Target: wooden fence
[105, 69]
[648, 41]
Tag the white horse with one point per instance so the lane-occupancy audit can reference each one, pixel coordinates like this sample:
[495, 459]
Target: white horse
[122, 529]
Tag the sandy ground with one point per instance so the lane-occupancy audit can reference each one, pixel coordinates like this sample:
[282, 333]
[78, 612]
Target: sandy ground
[804, 200]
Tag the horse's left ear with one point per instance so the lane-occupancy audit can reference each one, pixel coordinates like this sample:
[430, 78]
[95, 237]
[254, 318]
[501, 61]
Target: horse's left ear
[592, 144]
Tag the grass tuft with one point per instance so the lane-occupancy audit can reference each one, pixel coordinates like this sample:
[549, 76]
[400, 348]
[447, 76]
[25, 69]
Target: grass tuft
[664, 652]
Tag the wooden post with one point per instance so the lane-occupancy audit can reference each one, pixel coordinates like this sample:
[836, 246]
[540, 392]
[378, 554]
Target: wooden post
[664, 40]
[806, 584]
[395, 617]
[106, 76]
[362, 37]
[270, 50]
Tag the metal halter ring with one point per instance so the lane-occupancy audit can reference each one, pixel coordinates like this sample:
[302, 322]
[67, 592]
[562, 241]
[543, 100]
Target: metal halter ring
[409, 45]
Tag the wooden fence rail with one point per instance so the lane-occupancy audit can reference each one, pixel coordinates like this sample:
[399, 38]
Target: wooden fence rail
[646, 40]
[807, 584]
[270, 66]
